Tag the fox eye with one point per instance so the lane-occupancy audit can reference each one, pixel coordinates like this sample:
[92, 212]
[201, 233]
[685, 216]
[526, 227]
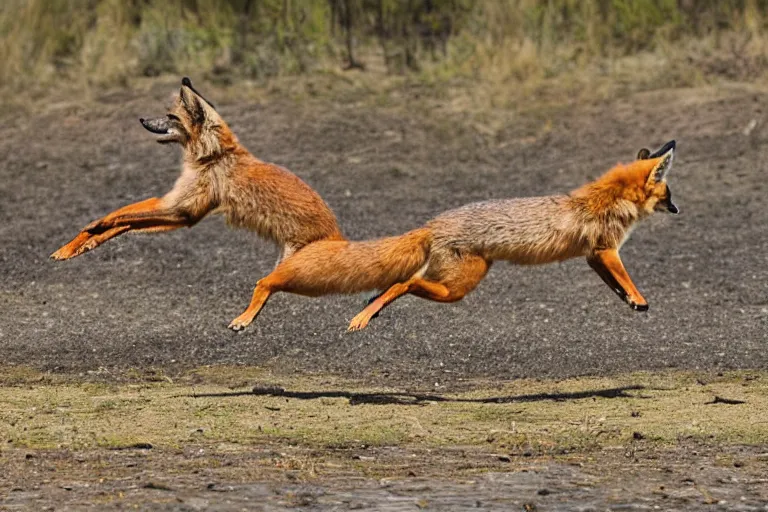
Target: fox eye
[174, 118]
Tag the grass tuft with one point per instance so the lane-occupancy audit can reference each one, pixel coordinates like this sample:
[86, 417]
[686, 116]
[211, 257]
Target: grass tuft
[504, 43]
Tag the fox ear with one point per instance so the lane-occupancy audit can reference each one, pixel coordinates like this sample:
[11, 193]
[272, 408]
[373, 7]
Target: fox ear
[658, 173]
[663, 150]
[645, 153]
[199, 108]
[192, 104]
[186, 82]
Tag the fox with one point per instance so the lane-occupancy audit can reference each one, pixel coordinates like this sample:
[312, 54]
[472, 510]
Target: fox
[446, 259]
[218, 175]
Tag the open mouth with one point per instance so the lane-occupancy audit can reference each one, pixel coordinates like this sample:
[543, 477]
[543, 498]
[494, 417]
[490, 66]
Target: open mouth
[161, 126]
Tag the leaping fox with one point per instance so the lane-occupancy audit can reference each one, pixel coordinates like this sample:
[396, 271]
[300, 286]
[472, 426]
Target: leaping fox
[451, 254]
[217, 175]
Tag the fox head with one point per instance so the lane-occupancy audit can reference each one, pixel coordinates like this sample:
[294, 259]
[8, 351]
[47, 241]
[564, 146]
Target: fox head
[631, 191]
[657, 177]
[193, 122]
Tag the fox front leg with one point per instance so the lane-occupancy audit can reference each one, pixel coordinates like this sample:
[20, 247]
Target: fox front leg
[609, 267]
[85, 240]
[155, 219]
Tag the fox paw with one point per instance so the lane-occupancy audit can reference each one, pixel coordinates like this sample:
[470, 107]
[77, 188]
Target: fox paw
[82, 243]
[240, 323]
[638, 307]
[63, 253]
[359, 323]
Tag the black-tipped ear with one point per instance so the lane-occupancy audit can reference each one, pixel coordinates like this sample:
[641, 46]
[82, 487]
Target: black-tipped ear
[186, 82]
[671, 207]
[644, 154]
[663, 150]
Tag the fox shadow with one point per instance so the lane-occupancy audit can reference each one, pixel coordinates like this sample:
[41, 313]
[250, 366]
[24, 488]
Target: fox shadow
[406, 398]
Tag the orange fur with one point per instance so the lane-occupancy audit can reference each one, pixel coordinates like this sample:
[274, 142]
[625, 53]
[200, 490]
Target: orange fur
[218, 175]
[328, 267]
[449, 257]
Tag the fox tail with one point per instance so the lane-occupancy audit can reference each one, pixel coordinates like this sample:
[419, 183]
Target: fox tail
[340, 266]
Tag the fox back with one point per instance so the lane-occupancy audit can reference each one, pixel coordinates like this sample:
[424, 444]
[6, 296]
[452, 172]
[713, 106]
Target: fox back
[276, 203]
[545, 229]
[528, 230]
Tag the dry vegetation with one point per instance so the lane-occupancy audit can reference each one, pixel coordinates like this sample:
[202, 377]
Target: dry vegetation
[216, 405]
[496, 45]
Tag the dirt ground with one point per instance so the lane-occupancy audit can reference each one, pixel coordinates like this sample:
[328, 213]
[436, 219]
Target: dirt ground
[158, 305]
[205, 441]
[199, 478]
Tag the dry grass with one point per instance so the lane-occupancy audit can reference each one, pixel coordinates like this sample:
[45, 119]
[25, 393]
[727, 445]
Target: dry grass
[501, 51]
[215, 406]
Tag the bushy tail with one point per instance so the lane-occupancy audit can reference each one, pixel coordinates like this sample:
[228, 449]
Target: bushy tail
[326, 267]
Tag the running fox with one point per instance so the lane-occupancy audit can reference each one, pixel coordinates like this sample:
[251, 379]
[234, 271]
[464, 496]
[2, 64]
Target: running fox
[451, 254]
[217, 175]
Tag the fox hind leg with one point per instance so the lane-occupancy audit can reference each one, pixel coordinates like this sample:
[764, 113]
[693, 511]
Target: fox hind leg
[260, 295]
[83, 243]
[371, 300]
[458, 277]
[276, 281]
[360, 321]
[264, 288]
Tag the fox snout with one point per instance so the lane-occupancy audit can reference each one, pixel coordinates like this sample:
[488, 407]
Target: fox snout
[159, 125]
[167, 127]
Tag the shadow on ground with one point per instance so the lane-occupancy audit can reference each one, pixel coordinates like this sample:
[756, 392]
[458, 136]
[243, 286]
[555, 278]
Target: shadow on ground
[405, 398]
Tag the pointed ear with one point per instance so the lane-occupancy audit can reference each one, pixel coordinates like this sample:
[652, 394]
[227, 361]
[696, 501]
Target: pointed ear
[671, 145]
[186, 82]
[643, 154]
[192, 104]
[661, 167]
